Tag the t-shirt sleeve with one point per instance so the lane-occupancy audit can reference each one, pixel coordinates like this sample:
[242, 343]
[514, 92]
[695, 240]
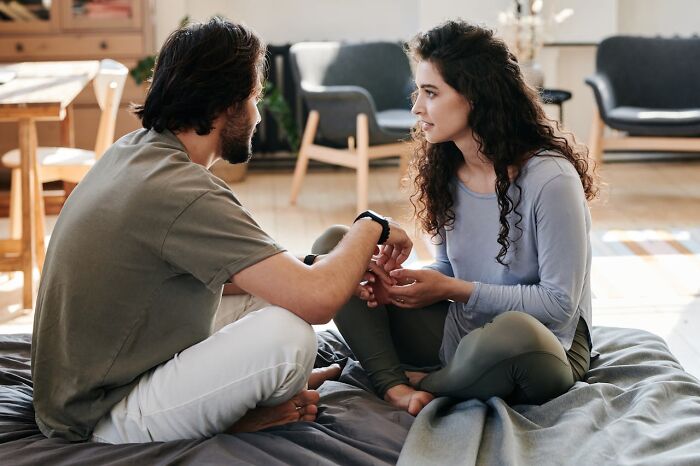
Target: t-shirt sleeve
[562, 223]
[214, 238]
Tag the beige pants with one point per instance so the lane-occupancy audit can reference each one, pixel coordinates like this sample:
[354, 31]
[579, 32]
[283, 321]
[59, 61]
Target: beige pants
[263, 358]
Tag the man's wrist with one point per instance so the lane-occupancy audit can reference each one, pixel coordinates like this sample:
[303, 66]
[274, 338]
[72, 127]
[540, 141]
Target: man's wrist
[368, 223]
[380, 220]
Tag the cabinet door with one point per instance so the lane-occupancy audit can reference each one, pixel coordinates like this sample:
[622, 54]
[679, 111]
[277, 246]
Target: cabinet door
[28, 16]
[101, 14]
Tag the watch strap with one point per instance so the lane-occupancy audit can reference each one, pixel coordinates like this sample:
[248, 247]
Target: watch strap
[380, 220]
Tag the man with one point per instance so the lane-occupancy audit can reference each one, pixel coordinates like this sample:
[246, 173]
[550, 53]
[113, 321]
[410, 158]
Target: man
[123, 349]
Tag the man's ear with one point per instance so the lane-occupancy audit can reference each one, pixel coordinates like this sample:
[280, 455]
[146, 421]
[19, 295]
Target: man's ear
[233, 109]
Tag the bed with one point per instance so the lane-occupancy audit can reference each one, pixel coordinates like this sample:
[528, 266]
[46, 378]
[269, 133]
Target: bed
[637, 406]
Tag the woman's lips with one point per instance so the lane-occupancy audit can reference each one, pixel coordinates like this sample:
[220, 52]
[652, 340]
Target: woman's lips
[426, 126]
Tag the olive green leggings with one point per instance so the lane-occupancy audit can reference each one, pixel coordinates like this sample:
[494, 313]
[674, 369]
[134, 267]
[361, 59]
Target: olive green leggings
[513, 357]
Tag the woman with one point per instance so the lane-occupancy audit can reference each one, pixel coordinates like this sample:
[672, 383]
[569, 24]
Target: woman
[505, 310]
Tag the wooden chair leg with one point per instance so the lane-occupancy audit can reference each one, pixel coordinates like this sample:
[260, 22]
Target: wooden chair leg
[362, 162]
[27, 144]
[404, 161]
[16, 204]
[303, 159]
[39, 220]
[595, 144]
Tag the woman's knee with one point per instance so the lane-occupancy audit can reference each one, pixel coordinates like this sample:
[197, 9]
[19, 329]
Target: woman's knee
[329, 239]
[509, 335]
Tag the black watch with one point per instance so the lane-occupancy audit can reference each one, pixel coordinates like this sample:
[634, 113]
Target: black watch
[380, 220]
[310, 259]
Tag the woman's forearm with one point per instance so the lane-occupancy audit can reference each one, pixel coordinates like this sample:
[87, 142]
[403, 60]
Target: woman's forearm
[458, 290]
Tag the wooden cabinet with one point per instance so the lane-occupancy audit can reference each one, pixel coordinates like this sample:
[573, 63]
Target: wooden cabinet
[41, 30]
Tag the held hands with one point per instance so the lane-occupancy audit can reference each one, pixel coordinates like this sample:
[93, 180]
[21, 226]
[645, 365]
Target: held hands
[374, 285]
[418, 288]
[403, 288]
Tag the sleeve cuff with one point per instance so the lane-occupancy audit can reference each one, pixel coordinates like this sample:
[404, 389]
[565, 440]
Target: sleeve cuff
[229, 270]
[470, 305]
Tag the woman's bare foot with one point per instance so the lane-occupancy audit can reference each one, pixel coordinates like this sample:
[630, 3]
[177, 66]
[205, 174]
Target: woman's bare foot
[302, 407]
[320, 375]
[408, 398]
[414, 377]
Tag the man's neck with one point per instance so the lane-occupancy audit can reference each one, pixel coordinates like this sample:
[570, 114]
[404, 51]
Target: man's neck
[200, 149]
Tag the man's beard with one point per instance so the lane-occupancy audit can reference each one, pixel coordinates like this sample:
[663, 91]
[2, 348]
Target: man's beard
[235, 141]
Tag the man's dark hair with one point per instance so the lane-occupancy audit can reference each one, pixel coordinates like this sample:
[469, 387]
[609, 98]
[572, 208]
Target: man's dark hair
[202, 69]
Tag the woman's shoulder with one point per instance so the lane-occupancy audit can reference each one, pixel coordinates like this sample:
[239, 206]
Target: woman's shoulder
[545, 166]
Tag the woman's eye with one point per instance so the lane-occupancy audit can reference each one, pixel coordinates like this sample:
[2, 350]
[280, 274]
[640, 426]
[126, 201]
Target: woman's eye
[430, 93]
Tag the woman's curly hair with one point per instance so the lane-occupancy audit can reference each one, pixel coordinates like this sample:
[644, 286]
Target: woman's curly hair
[506, 118]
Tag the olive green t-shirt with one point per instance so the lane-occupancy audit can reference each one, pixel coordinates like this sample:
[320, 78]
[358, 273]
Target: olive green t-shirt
[133, 275]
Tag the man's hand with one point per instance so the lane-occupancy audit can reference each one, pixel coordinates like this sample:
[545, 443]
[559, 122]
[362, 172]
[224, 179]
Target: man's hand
[397, 248]
[374, 285]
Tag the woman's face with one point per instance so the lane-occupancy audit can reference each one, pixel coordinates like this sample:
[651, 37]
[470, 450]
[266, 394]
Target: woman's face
[443, 112]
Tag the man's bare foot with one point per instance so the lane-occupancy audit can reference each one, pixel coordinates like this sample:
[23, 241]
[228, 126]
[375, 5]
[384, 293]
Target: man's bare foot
[414, 377]
[408, 398]
[320, 375]
[302, 407]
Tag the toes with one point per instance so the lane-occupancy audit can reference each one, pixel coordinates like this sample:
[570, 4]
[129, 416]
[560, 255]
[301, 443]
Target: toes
[309, 409]
[307, 397]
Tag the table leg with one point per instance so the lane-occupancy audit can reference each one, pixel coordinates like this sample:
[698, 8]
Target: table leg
[27, 147]
[68, 129]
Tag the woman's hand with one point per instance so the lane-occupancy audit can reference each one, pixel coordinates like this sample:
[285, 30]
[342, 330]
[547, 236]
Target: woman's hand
[420, 288]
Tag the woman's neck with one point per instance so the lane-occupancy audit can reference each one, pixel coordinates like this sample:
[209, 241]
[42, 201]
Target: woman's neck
[473, 158]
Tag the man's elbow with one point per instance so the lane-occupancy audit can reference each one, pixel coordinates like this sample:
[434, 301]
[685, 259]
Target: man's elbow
[321, 309]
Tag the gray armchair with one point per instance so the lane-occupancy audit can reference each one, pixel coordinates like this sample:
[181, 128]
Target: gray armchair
[648, 88]
[358, 97]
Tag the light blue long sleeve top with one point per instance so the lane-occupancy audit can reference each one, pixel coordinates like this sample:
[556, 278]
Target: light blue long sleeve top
[549, 262]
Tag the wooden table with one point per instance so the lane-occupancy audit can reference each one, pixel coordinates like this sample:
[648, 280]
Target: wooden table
[39, 91]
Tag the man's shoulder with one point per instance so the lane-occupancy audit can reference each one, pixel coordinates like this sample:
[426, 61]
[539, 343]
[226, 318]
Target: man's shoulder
[160, 163]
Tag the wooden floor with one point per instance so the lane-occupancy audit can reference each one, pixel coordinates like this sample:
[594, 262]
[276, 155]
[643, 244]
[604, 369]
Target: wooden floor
[647, 196]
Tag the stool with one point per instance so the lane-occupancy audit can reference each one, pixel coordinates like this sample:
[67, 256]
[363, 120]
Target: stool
[556, 97]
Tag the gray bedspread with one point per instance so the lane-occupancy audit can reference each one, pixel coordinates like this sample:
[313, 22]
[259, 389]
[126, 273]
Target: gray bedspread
[637, 407]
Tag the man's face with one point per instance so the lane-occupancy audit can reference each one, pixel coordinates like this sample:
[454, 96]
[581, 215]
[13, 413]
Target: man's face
[235, 141]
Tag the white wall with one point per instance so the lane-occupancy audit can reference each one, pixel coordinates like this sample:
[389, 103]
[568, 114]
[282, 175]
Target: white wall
[289, 21]
[659, 17]
[565, 67]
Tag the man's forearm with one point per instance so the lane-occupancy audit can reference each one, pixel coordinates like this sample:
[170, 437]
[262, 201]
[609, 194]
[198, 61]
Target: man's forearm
[340, 271]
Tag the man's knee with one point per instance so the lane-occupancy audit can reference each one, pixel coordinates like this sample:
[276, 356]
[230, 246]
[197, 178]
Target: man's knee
[289, 334]
[329, 239]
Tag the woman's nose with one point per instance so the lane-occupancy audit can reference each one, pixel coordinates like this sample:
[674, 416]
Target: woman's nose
[417, 108]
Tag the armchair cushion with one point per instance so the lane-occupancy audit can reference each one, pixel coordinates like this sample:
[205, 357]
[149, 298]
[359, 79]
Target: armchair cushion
[656, 122]
[396, 120]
